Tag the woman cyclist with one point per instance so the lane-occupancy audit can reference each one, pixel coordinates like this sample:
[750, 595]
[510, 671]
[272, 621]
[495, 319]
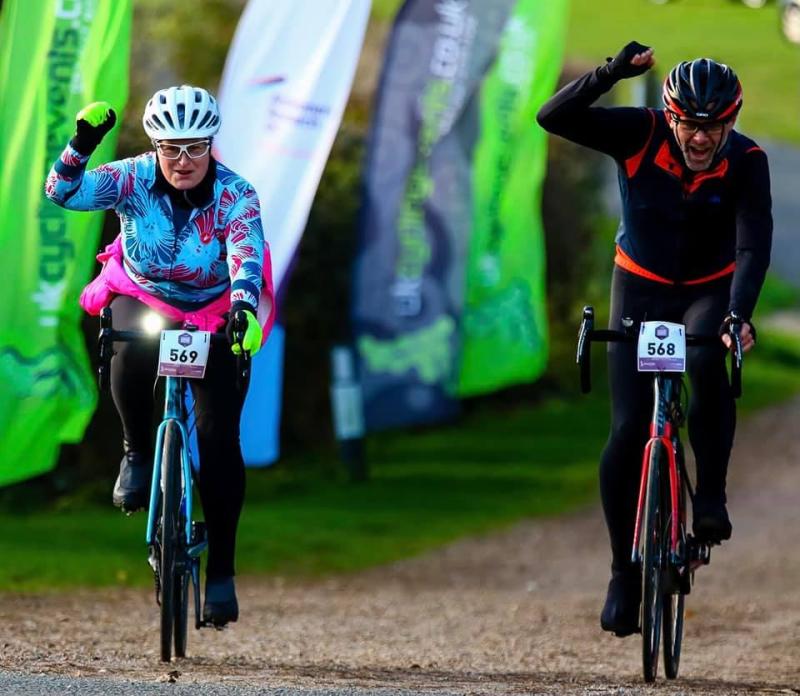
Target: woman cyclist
[191, 248]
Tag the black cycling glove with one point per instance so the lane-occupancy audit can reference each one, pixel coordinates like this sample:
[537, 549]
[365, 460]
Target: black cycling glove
[732, 317]
[91, 125]
[251, 339]
[620, 67]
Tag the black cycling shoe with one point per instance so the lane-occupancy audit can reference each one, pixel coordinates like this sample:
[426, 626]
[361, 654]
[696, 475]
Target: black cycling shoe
[710, 521]
[620, 614]
[220, 606]
[132, 487]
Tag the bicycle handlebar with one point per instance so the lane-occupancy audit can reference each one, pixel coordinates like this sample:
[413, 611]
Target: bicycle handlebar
[108, 336]
[588, 333]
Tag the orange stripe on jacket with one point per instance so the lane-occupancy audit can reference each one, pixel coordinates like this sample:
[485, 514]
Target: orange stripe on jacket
[625, 262]
[633, 163]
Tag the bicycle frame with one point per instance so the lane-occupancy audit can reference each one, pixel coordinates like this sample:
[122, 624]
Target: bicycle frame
[174, 411]
[661, 430]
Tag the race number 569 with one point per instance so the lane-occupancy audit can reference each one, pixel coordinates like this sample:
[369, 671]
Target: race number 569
[183, 353]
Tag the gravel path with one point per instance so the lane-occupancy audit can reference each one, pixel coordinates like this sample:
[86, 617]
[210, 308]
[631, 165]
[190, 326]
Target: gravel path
[510, 613]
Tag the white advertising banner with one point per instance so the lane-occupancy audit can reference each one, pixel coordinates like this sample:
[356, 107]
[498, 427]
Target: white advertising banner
[286, 82]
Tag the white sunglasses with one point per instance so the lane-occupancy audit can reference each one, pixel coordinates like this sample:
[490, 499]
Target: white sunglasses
[193, 150]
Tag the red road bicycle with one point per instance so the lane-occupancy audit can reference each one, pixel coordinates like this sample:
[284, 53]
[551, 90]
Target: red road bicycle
[667, 553]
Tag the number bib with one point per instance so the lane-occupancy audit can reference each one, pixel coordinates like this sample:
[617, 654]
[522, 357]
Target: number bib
[183, 353]
[662, 347]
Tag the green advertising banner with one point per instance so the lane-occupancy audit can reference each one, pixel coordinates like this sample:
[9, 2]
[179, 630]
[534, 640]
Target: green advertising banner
[55, 57]
[504, 324]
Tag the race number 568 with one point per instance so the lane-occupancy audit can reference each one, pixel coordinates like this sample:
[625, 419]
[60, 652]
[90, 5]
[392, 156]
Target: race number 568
[662, 347]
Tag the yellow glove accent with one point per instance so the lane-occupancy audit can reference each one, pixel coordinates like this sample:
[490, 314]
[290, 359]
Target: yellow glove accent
[95, 114]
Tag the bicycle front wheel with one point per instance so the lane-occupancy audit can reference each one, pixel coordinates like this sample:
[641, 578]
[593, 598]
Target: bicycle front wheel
[170, 534]
[652, 559]
[673, 632]
[181, 602]
[674, 599]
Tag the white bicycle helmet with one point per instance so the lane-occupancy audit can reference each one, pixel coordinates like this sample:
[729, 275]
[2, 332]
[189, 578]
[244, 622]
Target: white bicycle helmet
[181, 112]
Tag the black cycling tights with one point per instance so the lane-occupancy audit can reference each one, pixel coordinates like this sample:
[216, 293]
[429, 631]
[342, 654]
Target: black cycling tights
[712, 414]
[218, 405]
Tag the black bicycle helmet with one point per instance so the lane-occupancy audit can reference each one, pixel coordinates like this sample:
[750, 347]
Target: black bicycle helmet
[702, 89]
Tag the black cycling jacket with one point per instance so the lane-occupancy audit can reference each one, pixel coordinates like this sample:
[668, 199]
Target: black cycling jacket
[677, 226]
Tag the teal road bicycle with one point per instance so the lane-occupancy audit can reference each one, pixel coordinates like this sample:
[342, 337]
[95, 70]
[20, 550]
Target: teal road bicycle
[175, 540]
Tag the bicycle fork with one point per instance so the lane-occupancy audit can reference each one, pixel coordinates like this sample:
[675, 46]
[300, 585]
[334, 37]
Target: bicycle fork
[668, 443]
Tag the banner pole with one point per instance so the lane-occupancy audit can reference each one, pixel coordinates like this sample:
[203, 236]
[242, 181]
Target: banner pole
[347, 409]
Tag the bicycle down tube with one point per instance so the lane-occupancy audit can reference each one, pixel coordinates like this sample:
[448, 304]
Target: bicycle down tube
[175, 413]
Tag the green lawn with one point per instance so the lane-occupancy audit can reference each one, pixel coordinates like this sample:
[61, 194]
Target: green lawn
[496, 466]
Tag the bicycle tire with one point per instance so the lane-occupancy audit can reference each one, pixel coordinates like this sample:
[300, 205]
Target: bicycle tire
[170, 531]
[672, 619]
[673, 609]
[652, 547]
[181, 612]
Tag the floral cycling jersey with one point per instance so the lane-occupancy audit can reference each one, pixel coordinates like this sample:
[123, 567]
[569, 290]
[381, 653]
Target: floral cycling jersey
[220, 247]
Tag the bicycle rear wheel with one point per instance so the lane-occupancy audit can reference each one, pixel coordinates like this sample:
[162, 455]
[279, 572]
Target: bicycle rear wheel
[674, 600]
[170, 533]
[652, 561]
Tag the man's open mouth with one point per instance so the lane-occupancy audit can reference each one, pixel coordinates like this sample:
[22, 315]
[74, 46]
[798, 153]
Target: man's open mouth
[699, 152]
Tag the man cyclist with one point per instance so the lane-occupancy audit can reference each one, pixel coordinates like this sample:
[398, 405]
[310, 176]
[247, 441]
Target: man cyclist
[692, 247]
[191, 248]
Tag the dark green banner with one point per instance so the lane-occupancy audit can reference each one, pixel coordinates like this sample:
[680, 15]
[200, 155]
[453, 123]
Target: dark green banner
[409, 281]
[55, 57]
[449, 279]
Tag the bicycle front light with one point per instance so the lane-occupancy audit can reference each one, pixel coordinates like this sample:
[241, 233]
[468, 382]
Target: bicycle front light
[152, 323]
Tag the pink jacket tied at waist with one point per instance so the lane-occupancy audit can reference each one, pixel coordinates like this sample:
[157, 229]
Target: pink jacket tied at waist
[113, 280]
